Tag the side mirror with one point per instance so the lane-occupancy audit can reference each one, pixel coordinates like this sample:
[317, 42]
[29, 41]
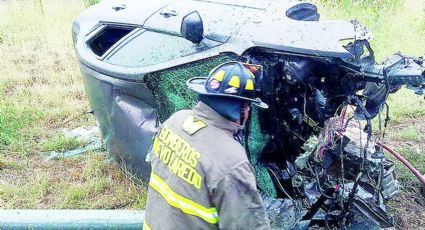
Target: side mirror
[192, 27]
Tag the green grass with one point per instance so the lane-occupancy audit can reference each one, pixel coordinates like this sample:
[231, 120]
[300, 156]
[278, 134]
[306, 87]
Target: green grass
[88, 3]
[405, 103]
[74, 196]
[408, 140]
[416, 156]
[61, 143]
[39, 84]
[396, 25]
[14, 117]
[85, 182]
[41, 88]
[24, 196]
[409, 134]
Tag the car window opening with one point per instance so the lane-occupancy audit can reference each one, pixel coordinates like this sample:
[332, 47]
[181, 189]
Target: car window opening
[107, 38]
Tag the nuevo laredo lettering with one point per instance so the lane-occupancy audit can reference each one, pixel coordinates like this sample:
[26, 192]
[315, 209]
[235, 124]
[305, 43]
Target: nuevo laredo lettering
[178, 155]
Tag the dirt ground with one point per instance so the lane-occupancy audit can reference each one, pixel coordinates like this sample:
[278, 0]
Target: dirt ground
[409, 209]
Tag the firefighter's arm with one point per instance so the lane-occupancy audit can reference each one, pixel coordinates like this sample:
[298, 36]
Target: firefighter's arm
[238, 202]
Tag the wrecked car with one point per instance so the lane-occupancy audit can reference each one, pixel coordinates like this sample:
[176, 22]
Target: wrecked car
[312, 169]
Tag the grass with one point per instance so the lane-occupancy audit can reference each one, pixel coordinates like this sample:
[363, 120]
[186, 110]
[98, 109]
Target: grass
[397, 25]
[61, 144]
[416, 156]
[25, 196]
[409, 134]
[41, 87]
[88, 182]
[13, 118]
[40, 82]
[404, 104]
[5, 163]
[88, 3]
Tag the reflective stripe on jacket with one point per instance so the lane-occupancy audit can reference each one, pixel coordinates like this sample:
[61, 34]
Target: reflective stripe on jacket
[201, 177]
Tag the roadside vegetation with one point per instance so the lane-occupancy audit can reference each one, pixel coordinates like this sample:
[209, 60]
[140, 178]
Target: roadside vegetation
[41, 88]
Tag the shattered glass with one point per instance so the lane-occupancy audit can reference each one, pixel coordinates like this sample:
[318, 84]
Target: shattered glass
[169, 86]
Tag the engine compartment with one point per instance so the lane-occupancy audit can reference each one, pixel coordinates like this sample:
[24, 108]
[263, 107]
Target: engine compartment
[322, 161]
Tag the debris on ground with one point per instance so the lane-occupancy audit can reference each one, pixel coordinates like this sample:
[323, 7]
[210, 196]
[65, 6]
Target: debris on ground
[88, 135]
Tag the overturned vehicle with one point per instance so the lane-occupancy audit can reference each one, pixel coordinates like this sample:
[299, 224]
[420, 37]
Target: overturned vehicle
[315, 166]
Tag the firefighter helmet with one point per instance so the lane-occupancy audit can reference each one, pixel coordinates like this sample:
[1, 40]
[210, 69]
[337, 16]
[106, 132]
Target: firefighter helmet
[230, 79]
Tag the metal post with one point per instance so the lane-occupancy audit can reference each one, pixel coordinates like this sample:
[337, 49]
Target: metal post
[18, 219]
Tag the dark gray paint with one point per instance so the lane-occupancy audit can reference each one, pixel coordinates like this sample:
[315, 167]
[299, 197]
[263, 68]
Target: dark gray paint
[126, 116]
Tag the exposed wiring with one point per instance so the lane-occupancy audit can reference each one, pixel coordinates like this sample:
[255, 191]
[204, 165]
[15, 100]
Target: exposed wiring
[387, 119]
[73, 118]
[318, 182]
[280, 185]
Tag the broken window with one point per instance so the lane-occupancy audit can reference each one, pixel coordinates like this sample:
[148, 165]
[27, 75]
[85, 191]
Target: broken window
[107, 37]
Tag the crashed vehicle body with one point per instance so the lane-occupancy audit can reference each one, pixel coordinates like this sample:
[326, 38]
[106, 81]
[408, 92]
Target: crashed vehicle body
[135, 57]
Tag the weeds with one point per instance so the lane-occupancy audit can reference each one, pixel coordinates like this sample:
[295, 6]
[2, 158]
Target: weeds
[61, 144]
[5, 163]
[409, 134]
[40, 88]
[74, 197]
[13, 118]
[416, 156]
[392, 22]
[24, 196]
[39, 84]
[406, 104]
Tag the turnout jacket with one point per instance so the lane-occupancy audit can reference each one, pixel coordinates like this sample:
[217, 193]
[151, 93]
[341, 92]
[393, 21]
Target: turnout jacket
[201, 177]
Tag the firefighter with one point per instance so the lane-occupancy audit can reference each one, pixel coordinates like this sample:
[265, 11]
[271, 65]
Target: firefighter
[201, 176]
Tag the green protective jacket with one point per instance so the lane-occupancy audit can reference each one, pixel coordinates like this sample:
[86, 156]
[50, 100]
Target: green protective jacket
[201, 177]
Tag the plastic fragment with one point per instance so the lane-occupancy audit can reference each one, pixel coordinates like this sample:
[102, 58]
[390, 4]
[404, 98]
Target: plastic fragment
[90, 136]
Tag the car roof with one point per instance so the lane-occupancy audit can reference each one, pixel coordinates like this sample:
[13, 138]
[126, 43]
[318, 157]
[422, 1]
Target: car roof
[240, 24]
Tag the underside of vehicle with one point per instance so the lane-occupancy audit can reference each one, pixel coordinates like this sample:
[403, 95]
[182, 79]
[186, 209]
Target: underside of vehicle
[316, 163]
[321, 174]
[318, 157]
[311, 167]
